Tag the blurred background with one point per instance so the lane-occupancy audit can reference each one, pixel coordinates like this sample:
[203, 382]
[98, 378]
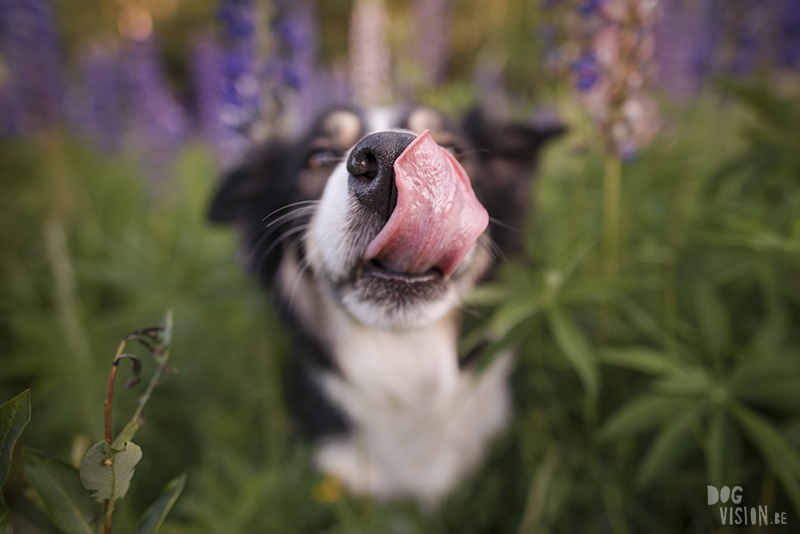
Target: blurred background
[654, 318]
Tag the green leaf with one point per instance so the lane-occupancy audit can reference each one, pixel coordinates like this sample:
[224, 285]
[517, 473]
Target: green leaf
[59, 487]
[512, 314]
[781, 456]
[576, 348]
[772, 383]
[671, 446]
[108, 471]
[14, 415]
[644, 360]
[711, 318]
[722, 453]
[638, 415]
[153, 517]
[693, 381]
[126, 434]
[5, 522]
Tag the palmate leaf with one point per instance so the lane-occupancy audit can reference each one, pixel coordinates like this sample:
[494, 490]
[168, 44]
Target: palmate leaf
[108, 471]
[722, 451]
[14, 416]
[782, 457]
[640, 359]
[59, 487]
[772, 383]
[576, 348]
[711, 317]
[157, 512]
[638, 415]
[670, 446]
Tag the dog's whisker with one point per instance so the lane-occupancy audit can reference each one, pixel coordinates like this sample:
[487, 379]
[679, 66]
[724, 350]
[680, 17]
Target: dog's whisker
[289, 206]
[287, 234]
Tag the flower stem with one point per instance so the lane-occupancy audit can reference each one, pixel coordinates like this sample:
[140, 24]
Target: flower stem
[611, 212]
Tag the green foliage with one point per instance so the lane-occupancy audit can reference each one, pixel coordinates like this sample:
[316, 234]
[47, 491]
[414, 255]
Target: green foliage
[14, 416]
[154, 516]
[632, 392]
[60, 492]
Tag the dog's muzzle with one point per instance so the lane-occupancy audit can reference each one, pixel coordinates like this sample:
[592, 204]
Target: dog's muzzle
[422, 196]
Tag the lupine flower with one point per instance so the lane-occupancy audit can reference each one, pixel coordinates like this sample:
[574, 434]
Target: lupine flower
[157, 120]
[432, 21]
[241, 92]
[679, 32]
[370, 58]
[789, 34]
[97, 114]
[295, 31]
[206, 69]
[587, 71]
[618, 44]
[30, 40]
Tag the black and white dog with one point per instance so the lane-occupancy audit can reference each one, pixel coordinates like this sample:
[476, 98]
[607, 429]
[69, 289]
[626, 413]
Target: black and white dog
[369, 230]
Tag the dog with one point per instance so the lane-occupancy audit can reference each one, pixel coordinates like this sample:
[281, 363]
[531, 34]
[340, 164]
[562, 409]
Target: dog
[368, 230]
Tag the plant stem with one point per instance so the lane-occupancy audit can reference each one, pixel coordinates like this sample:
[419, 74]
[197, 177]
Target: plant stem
[611, 212]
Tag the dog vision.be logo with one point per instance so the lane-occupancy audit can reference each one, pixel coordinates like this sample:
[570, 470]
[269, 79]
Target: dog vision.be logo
[741, 515]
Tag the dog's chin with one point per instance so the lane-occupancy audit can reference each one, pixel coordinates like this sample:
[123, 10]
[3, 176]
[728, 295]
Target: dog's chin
[380, 298]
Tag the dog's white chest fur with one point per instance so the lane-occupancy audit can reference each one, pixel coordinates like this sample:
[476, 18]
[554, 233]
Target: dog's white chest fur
[419, 422]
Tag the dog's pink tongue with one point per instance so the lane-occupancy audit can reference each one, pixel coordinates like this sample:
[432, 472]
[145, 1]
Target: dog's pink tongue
[437, 218]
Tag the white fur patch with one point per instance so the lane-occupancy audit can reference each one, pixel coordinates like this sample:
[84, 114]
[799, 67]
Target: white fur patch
[420, 423]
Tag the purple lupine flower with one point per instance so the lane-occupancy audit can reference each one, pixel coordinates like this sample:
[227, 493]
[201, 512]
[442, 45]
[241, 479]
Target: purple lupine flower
[30, 41]
[241, 90]
[370, 57]
[206, 70]
[158, 122]
[324, 90]
[432, 20]
[618, 45]
[98, 114]
[789, 34]
[589, 7]
[679, 32]
[295, 30]
[587, 71]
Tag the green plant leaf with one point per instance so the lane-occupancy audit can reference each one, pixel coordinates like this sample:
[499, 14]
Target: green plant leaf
[670, 446]
[711, 318]
[772, 383]
[108, 471]
[781, 456]
[14, 415]
[640, 359]
[512, 314]
[576, 348]
[126, 434]
[637, 415]
[5, 522]
[59, 487]
[722, 452]
[693, 381]
[153, 517]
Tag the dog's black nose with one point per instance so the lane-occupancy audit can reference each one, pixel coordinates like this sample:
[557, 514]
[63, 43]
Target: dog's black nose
[371, 168]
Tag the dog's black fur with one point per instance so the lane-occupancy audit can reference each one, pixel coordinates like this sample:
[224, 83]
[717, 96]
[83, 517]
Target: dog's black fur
[266, 196]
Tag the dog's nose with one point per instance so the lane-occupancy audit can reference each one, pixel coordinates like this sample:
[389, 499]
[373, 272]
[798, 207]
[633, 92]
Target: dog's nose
[371, 168]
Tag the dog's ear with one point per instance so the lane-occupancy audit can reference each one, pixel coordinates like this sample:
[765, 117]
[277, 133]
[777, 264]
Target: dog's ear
[250, 189]
[508, 153]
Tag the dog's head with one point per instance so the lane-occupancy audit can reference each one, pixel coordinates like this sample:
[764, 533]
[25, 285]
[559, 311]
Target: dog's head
[385, 211]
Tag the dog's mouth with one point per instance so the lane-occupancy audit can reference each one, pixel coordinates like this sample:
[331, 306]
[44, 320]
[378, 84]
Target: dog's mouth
[373, 269]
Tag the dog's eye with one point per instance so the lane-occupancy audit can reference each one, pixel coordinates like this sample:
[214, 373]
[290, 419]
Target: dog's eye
[322, 159]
